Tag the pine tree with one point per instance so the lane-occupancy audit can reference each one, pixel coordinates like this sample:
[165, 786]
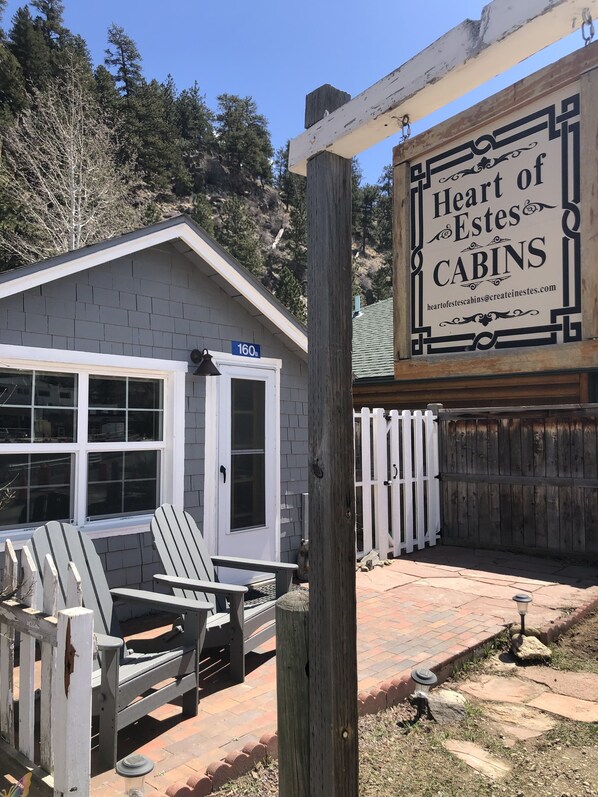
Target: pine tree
[13, 96]
[84, 196]
[383, 212]
[124, 56]
[243, 138]
[3, 4]
[152, 139]
[194, 120]
[201, 213]
[381, 284]
[366, 214]
[237, 233]
[51, 24]
[288, 291]
[29, 47]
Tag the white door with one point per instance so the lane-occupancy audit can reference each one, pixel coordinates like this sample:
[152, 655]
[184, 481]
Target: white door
[247, 468]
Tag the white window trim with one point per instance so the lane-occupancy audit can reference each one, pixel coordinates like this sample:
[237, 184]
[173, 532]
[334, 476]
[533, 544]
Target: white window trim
[172, 447]
[211, 475]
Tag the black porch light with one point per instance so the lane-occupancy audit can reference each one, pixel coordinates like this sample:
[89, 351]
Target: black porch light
[522, 602]
[205, 366]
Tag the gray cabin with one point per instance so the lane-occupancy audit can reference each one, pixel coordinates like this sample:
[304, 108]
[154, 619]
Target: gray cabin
[103, 417]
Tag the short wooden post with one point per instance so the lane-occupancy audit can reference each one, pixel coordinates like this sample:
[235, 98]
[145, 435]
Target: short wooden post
[71, 703]
[49, 604]
[29, 590]
[332, 632]
[7, 650]
[292, 689]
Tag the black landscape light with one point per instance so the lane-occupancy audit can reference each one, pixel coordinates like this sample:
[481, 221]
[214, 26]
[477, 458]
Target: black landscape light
[205, 366]
[522, 602]
[424, 680]
[133, 770]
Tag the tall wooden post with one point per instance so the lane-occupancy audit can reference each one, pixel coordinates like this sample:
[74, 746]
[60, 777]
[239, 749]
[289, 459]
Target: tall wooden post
[332, 628]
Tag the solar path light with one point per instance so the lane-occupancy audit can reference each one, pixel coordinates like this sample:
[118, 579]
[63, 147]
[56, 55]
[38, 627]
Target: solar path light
[522, 602]
[133, 770]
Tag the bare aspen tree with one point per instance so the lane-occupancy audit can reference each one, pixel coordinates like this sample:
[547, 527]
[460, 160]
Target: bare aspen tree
[59, 170]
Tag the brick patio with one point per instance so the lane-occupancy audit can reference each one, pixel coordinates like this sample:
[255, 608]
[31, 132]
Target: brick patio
[429, 609]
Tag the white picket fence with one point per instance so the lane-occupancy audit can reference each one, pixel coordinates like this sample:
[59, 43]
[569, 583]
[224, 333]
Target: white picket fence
[53, 732]
[397, 489]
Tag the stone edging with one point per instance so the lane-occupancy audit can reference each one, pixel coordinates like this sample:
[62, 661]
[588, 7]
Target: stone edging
[379, 698]
[559, 627]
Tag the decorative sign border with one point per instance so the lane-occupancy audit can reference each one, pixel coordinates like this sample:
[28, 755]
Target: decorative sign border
[558, 119]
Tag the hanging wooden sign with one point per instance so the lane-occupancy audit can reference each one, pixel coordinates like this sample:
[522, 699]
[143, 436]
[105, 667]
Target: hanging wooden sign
[495, 257]
[494, 233]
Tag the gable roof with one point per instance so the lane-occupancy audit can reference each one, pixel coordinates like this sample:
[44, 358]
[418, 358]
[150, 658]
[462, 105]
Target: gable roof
[190, 240]
[373, 342]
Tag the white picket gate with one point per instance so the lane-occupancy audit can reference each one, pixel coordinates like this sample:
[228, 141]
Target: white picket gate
[59, 726]
[396, 484]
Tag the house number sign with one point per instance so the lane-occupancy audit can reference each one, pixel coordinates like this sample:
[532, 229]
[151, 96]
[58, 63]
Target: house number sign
[495, 234]
[246, 349]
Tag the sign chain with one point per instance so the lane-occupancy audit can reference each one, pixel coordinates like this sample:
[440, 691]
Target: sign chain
[587, 26]
[405, 128]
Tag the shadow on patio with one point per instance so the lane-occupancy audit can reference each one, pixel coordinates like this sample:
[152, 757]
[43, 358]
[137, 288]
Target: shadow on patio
[432, 609]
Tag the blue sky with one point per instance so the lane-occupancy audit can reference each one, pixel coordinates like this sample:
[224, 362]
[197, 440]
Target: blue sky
[277, 51]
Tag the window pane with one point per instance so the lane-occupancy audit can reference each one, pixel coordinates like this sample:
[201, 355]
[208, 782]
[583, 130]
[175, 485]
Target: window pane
[248, 414]
[106, 425]
[34, 489]
[15, 387]
[248, 497]
[55, 390]
[15, 425]
[145, 394]
[122, 483]
[107, 391]
[144, 425]
[54, 426]
[105, 467]
[137, 409]
[140, 465]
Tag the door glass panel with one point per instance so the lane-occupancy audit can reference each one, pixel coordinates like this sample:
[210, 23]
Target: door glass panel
[247, 489]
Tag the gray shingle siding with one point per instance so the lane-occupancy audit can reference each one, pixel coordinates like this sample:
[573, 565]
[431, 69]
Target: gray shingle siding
[157, 304]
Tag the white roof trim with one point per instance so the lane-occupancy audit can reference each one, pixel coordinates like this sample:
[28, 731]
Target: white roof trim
[182, 231]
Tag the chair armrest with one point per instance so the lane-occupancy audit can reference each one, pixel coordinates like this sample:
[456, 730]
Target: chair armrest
[253, 564]
[214, 588]
[105, 642]
[160, 601]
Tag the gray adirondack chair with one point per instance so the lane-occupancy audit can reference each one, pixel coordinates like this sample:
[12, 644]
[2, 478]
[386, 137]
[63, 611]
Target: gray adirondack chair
[126, 681]
[190, 572]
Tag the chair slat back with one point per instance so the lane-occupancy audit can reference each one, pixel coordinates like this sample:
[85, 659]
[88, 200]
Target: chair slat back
[182, 549]
[66, 544]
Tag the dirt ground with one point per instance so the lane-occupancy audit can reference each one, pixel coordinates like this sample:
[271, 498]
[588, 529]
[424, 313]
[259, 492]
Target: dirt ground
[399, 761]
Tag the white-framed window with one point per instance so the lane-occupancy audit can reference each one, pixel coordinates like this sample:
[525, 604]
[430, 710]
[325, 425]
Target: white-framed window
[96, 440]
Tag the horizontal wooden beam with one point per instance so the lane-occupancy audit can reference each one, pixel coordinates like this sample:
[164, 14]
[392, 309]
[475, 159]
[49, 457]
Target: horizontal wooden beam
[463, 59]
[527, 90]
[530, 481]
[562, 357]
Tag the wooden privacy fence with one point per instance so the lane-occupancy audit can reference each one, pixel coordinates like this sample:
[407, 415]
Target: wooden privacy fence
[53, 733]
[396, 480]
[521, 478]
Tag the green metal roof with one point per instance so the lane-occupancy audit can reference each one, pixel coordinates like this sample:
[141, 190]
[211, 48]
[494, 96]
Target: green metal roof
[373, 342]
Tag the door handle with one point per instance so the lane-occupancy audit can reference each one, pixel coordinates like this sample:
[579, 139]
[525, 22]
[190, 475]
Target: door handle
[223, 472]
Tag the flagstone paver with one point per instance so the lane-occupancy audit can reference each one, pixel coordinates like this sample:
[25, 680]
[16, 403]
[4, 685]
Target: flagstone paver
[479, 759]
[582, 685]
[564, 706]
[427, 609]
